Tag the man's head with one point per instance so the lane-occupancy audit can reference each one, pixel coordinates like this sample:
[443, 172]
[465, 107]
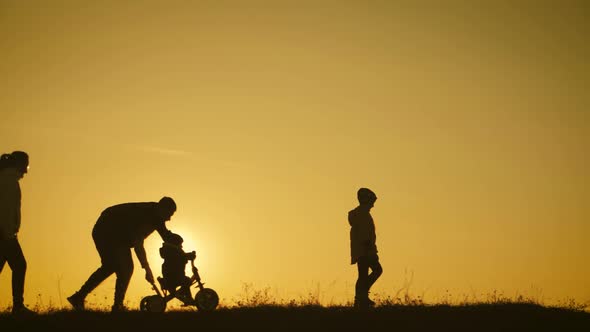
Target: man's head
[166, 208]
[366, 197]
[18, 161]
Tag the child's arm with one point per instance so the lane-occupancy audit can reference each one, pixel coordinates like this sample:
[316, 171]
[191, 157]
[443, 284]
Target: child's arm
[190, 255]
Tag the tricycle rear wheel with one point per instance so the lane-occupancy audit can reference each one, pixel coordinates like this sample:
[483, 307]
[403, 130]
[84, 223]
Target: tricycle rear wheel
[152, 303]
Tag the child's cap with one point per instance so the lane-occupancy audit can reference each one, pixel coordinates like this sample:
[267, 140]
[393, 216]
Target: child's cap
[174, 239]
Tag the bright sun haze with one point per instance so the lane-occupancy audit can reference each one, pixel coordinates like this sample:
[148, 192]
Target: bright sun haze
[262, 119]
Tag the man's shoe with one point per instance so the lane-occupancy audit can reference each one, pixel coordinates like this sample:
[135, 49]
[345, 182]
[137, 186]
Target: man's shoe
[77, 302]
[118, 308]
[22, 310]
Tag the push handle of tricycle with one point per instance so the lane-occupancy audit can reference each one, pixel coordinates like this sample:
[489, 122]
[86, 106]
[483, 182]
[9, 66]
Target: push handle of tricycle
[155, 287]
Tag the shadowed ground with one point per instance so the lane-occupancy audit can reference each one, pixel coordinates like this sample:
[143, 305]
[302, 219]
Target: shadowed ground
[504, 317]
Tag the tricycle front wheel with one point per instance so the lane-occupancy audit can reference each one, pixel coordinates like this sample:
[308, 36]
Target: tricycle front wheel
[206, 299]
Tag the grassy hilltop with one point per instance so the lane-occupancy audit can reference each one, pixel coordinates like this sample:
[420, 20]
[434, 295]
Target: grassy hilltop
[477, 317]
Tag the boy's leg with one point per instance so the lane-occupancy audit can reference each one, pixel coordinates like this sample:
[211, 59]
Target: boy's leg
[184, 293]
[376, 271]
[361, 287]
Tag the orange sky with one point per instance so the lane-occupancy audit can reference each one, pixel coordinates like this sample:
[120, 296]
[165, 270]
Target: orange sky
[262, 119]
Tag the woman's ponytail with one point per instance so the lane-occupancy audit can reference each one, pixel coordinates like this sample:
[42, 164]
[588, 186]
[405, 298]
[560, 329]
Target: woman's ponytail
[5, 161]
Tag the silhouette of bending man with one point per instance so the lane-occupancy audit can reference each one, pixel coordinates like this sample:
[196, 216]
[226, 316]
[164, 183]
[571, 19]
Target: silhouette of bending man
[118, 229]
[363, 248]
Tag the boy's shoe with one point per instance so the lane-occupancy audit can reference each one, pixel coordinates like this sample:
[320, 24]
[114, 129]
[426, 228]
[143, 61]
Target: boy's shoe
[77, 302]
[22, 310]
[187, 302]
[185, 297]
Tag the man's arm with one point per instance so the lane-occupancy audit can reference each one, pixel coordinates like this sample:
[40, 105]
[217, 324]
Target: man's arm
[163, 231]
[142, 257]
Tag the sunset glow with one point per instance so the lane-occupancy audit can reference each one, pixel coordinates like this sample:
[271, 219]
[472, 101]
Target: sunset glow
[262, 119]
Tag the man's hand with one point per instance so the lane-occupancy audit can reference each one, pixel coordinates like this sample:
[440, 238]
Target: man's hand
[149, 276]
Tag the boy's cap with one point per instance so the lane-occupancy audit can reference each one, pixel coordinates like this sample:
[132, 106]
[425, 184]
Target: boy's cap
[366, 195]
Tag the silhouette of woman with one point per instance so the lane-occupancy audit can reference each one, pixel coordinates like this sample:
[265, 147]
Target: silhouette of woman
[13, 167]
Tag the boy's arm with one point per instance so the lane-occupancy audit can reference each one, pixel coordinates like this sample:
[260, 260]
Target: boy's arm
[190, 255]
[142, 257]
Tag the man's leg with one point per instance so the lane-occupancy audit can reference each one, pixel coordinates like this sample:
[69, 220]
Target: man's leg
[361, 287]
[107, 257]
[95, 279]
[124, 270]
[2, 254]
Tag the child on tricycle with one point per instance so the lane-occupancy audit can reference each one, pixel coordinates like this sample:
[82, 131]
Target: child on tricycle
[174, 282]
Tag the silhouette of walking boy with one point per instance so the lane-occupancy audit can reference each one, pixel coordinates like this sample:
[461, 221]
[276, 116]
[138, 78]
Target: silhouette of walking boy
[175, 260]
[363, 248]
[13, 167]
[118, 229]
